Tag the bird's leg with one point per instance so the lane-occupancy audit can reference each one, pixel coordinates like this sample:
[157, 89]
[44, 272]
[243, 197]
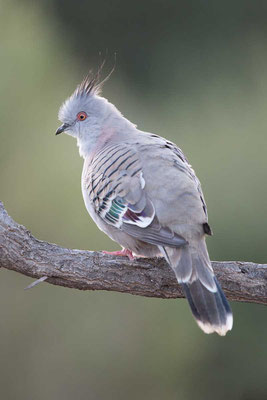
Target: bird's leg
[123, 252]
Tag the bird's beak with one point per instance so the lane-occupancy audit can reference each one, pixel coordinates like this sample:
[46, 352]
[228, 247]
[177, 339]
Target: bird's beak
[62, 128]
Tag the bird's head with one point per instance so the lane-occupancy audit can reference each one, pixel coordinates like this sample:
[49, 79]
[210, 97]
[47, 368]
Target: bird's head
[90, 118]
[83, 111]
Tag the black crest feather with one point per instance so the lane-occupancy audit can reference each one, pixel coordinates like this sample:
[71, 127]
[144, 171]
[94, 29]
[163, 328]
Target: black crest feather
[92, 83]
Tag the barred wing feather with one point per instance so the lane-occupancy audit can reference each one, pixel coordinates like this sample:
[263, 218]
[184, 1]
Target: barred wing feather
[116, 188]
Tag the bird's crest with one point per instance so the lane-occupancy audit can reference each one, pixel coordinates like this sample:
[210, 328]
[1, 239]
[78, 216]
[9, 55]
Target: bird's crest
[92, 83]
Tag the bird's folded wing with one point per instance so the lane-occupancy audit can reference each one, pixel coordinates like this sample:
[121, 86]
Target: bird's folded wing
[116, 188]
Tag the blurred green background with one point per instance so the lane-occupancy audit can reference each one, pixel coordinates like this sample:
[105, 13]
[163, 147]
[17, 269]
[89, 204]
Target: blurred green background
[192, 71]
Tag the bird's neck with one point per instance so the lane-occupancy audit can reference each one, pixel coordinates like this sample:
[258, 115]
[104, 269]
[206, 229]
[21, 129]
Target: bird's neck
[109, 127]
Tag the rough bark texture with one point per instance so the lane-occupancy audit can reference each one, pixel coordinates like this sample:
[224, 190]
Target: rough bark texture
[89, 270]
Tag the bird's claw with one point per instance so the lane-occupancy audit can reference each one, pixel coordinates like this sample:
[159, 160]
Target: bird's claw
[123, 253]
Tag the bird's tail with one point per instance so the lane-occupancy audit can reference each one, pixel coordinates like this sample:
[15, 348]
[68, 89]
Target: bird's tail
[194, 272]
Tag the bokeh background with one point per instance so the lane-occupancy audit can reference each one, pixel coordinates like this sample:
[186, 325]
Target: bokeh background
[192, 71]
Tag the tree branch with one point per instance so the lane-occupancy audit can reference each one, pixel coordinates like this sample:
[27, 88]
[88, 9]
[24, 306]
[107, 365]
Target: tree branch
[89, 270]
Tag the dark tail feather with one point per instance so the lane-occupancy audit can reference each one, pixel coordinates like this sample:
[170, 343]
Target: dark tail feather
[210, 309]
[194, 272]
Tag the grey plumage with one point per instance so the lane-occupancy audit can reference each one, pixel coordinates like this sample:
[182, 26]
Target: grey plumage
[140, 190]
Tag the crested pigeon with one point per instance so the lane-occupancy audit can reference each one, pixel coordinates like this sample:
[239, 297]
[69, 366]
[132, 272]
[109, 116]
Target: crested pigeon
[141, 191]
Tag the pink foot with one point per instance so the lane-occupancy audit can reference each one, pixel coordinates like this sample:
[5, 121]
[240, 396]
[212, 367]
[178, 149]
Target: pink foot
[124, 253]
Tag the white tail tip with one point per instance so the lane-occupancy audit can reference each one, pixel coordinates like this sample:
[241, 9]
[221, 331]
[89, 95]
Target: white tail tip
[220, 329]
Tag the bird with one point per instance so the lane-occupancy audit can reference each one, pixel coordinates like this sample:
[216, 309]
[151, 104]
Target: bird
[141, 191]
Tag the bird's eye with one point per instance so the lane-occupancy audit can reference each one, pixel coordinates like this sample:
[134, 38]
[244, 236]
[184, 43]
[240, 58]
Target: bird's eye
[81, 116]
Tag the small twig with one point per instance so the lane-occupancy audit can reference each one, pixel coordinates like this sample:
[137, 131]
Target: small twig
[35, 283]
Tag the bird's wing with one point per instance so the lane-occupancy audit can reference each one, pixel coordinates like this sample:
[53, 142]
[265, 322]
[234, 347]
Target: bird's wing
[180, 161]
[176, 178]
[116, 188]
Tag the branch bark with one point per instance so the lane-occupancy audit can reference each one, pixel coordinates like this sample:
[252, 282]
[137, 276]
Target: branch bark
[89, 270]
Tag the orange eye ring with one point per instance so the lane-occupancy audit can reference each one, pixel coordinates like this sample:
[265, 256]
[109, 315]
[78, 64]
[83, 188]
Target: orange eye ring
[81, 116]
